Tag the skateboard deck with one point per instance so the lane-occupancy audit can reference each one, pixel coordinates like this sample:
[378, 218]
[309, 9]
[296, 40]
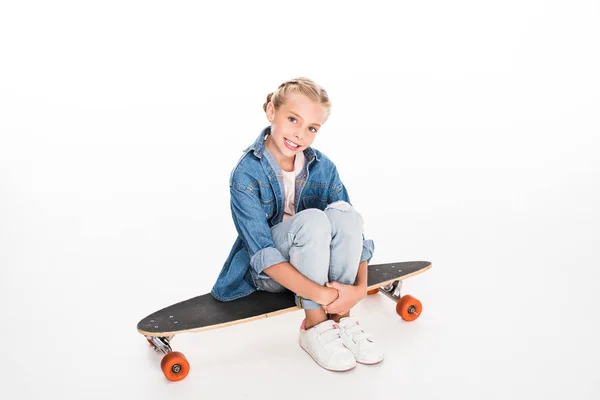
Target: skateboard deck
[204, 312]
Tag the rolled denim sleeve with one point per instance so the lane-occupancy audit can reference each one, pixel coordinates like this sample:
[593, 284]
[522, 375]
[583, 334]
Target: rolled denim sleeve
[368, 250]
[337, 192]
[252, 227]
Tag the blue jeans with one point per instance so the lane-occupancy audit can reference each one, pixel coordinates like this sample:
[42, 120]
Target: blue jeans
[324, 246]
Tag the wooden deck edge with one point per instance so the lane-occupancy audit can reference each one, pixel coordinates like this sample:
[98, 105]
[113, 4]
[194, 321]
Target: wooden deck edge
[382, 284]
[223, 325]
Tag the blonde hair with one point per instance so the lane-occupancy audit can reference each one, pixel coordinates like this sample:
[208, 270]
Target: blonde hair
[301, 85]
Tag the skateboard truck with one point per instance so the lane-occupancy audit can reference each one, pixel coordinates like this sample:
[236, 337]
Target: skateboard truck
[392, 290]
[161, 344]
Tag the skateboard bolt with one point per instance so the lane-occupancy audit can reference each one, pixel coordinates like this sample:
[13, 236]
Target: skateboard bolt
[176, 368]
[412, 309]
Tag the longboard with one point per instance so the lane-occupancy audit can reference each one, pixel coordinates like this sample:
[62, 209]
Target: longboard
[204, 312]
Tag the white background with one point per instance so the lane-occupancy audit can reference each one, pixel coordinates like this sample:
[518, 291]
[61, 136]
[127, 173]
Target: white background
[466, 132]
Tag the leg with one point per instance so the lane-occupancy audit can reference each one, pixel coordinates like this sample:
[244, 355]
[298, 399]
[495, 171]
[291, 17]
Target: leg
[346, 248]
[346, 244]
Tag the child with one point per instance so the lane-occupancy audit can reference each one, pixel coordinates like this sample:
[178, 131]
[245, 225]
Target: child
[298, 231]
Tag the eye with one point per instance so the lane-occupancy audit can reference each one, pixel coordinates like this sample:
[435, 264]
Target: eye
[292, 118]
[314, 129]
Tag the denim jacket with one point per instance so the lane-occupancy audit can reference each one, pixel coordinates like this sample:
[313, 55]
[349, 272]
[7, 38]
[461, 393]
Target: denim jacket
[256, 199]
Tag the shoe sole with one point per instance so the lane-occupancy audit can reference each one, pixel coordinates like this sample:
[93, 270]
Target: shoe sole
[372, 363]
[324, 367]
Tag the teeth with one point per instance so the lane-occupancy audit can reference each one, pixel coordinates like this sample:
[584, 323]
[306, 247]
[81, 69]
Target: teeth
[291, 143]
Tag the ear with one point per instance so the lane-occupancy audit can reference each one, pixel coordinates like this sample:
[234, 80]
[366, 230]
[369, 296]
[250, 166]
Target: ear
[270, 111]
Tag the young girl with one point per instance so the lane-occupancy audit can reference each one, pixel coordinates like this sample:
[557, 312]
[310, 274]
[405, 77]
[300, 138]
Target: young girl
[298, 231]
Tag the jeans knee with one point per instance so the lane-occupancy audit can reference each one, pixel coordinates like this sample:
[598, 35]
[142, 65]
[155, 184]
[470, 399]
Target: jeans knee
[315, 221]
[344, 216]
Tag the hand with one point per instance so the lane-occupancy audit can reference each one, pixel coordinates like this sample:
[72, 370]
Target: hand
[329, 295]
[348, 296]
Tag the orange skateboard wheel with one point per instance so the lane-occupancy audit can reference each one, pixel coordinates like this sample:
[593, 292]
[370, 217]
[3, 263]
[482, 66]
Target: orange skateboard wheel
[409, 308]
[175, 366]
[373, 291]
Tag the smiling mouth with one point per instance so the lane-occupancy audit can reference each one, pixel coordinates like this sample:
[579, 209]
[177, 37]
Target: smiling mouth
[291, 144]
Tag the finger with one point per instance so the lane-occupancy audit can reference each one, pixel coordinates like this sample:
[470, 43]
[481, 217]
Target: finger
[334, 285]
[334, 304]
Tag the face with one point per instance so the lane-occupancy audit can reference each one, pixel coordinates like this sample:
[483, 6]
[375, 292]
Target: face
[294, 126]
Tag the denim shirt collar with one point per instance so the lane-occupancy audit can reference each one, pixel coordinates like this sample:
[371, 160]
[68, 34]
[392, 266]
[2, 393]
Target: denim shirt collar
[258, 147]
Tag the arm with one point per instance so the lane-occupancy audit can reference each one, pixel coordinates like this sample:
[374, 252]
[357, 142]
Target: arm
[286, 275]
[361, 277]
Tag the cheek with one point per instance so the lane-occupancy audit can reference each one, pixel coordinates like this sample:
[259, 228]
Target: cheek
[278, 134]
[281, 126]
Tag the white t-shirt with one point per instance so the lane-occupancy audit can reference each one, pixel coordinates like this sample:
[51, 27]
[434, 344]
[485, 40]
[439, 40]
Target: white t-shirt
[289, 182]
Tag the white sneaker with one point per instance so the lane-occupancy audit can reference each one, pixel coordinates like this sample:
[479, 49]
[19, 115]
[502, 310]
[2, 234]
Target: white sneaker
[359, 342]
[324, 344]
